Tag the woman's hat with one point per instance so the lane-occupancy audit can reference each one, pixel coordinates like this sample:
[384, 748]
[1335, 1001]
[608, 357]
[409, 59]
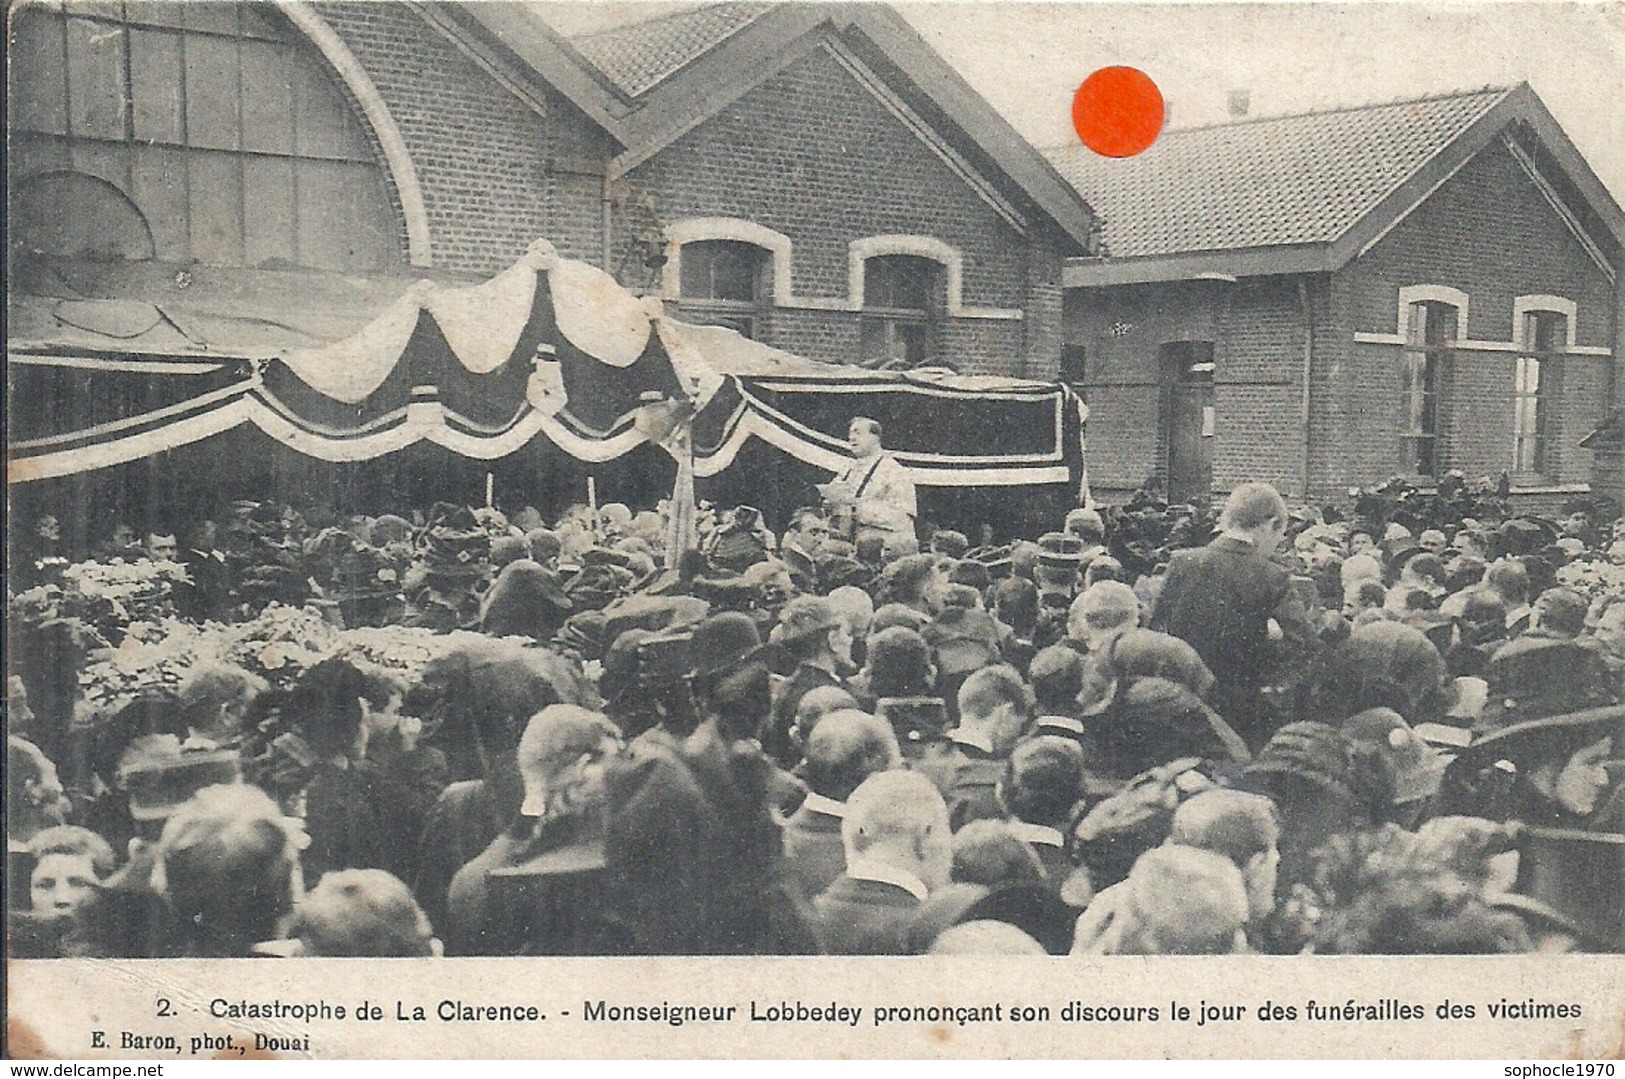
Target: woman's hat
[723, 643]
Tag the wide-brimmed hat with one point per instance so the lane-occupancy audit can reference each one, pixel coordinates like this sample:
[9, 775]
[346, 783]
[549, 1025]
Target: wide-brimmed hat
[806, 616]
[1314, 752]
[1576, 874]
[597, 586]
[1543, 678]
[1060, 551]
[996, 558]
[1536, 739]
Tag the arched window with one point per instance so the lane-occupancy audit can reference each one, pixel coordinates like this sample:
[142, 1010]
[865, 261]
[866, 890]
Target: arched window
[724, 283]
[903, 299]
[1543, 337]
[220, 125]
[1430, 335]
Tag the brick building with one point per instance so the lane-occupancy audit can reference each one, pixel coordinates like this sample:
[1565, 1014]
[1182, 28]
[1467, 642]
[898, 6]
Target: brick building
[1331, 299]
[813, 175]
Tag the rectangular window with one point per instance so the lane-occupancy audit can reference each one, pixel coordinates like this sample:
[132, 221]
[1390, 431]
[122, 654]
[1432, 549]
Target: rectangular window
[1430, 333]
[1544, 335]
[722, 283]
[902, 298]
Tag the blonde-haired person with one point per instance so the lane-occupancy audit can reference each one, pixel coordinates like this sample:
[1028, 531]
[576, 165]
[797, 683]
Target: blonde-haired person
[227, 870]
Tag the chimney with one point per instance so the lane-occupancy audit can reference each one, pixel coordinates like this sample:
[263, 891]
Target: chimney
[1238, 102]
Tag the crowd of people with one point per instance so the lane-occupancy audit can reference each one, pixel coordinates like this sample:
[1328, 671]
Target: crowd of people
[1299, 736]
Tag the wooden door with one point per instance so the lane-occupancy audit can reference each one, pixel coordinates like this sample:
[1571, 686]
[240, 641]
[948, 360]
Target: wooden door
[1190, 420]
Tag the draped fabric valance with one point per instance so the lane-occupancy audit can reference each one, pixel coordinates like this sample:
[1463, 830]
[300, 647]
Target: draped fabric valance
[549, 354]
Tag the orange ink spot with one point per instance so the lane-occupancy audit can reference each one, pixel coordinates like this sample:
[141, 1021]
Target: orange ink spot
[1118, 111]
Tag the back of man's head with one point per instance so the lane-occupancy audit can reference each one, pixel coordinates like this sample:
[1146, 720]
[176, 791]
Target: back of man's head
[1043, 781]
[1056, 673]
[847, 747]
[989, 852]
[1186, 901]
[1251, 506]
[854, 605]
[899, 817]
[1106, 607]
[1427, 567]
[225, 864]
[1233, 823]
[997, 696]
[817, 703]
[1087, 525]
[1483, 606]
[1510, 578]
[985, 937]
[899, 663]
[1563, 611]
[1015, 599]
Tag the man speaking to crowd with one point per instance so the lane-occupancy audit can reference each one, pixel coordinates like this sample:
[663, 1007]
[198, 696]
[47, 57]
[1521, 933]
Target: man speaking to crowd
[874, 496]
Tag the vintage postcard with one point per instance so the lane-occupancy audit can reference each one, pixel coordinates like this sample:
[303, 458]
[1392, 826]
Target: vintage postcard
[561, 530]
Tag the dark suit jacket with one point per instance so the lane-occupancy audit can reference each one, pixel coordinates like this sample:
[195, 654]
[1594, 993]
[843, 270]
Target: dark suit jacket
[1219, 599]
[813, 853]
[864, 917]
[966, 776]
[694, 857]
[803, 570]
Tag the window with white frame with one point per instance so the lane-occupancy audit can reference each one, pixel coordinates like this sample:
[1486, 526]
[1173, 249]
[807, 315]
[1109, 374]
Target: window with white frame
[1545, 333]
[724, 283]
[1430, 335]
[903, 299]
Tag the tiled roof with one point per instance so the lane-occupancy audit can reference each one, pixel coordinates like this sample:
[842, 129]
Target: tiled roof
[1262, 182]
[639, 56]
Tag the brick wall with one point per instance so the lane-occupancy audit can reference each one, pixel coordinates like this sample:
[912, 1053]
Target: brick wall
[1486, 231]
[1255, 327]
[1489, 233]
[1042, 333]
[1259, 425]
[487, 161]
[813, 155]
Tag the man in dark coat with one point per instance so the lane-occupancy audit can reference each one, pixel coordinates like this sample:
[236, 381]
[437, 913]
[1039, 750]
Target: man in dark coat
[994, 708]
[1040, 792]
[898, 850]
[813, 632]
[807, 531]
[694, 855]
[1222, 599]
[844, 749]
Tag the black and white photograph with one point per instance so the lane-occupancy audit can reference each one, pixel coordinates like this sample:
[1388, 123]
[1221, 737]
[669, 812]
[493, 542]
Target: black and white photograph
[999, 487]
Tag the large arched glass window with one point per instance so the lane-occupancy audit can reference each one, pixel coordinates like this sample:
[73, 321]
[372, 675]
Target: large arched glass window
[217, 122]
[1430, 334]
[724, 283]
[902, 301]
